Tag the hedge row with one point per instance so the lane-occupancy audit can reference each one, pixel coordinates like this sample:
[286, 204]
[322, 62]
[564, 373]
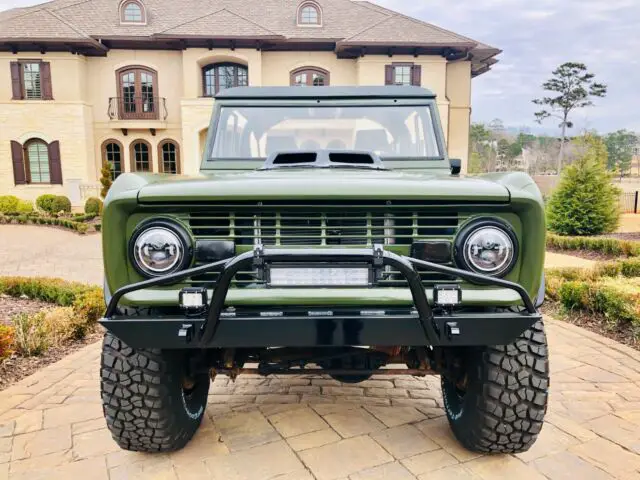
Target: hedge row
[75, 223]
[79, 308]
[609, 246]
[612, 290]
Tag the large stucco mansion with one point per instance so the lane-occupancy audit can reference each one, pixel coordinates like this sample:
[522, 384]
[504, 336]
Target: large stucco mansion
[132, 81]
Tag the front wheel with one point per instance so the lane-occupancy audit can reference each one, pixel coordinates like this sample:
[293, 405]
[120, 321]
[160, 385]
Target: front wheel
[150, 402]
[498, 402]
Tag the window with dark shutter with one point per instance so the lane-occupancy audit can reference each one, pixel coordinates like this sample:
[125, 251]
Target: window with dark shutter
[403, 74]
[19, 176]
[31, 80]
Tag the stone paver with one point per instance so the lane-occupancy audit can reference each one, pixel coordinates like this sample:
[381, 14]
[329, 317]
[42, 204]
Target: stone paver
[312, 427]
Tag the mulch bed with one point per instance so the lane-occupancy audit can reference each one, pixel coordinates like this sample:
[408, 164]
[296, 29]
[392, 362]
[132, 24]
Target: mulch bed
[592, 322]
[10, 306]
[16, 368]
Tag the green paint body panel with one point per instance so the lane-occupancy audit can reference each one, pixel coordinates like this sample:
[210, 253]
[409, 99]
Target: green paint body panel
[513, 197]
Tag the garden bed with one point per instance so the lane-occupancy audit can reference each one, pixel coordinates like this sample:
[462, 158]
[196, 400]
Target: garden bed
[42, 320]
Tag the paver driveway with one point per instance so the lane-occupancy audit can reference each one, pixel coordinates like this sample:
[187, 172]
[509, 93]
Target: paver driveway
[301, 427]
[51, 426]
[28, 250]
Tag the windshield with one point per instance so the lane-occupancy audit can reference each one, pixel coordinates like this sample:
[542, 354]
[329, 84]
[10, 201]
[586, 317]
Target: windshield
[394, 131]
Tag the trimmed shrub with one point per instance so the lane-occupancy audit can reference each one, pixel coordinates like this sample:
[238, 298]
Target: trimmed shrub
[64, 324]
[25, 207]
[585, 202]
[61, 204]
[630, 267]
[105, 178]
[9, 204]
[31, 334]
[609, 246]
[93, 206]
[7, 340]
[52, 290]
[574, 294]
[44, 202]
[90, 305]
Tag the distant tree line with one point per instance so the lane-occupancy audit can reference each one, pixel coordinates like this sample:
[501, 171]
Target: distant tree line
[495, 149]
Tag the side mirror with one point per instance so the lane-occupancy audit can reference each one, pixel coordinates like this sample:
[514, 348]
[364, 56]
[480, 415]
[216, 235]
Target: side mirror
[455, 164]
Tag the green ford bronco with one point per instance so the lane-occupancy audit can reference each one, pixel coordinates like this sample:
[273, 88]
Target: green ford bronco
[327, 232]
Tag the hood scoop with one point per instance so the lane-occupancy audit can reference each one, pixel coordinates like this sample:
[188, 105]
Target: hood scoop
[324, 159]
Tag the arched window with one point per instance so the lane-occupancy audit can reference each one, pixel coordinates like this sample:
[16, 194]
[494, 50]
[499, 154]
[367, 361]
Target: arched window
[218, 76]
[140, 156]
[138, 98]
[112, 154]
[132, 11]
[309, 77]
[309, 14]
[169, 157]
[36, 158]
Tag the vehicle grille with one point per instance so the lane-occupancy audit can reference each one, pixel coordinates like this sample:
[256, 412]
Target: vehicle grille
[326, 225]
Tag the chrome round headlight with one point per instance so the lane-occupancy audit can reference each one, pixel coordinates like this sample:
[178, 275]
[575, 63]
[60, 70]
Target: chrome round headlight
[158, 248]
[488, 247]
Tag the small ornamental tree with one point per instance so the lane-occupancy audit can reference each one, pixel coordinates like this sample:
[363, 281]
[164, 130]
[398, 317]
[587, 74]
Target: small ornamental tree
[105, 178]
[585, 202]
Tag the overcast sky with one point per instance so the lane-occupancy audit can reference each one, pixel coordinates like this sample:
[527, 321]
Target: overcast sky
[536, 37]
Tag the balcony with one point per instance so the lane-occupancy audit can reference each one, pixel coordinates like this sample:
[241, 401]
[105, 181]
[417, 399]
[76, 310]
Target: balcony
[135, 113]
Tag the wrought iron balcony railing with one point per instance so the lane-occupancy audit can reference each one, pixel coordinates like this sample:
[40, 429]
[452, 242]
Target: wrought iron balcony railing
[137, 108]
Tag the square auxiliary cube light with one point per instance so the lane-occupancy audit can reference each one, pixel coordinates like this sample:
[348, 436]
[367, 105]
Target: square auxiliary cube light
[193, 298]
[447, 295]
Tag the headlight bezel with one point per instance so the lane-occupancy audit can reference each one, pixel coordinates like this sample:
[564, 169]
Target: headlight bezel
[474, 226]
[176, 229]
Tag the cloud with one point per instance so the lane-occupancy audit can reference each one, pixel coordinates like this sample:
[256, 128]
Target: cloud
[602, 34]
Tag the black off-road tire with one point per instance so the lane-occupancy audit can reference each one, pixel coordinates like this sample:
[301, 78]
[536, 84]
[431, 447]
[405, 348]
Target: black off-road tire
[500, 405]
[144, 398]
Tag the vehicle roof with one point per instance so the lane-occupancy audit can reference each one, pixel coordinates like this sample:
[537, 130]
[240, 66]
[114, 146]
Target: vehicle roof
[391, 91]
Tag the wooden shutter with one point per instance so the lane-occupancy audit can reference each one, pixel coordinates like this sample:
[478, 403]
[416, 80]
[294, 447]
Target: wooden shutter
[55, 167]
[388, 74]
[16, 83]
[19, 176]
[416, 75]
[45, 81]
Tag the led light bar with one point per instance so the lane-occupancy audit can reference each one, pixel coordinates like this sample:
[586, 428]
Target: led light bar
[319, 276]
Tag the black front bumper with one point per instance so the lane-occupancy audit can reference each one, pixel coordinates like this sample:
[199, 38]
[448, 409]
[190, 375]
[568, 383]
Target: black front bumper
[420, 326]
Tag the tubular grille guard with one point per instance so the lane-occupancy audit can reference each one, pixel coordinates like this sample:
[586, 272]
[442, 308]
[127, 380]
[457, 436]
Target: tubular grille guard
[375, 256]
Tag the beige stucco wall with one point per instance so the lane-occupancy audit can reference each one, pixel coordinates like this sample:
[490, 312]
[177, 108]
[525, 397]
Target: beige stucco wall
[82, 86]
[458, 93]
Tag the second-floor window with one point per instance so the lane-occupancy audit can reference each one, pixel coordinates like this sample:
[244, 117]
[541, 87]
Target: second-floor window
[31, 80]
[309, 77]
[218, 76]
[403, 74]
[138, 93]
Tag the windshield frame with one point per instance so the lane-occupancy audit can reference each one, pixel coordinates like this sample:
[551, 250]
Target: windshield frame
[209, 163]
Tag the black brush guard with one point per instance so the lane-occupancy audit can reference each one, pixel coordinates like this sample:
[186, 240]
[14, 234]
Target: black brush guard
[423, 326]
